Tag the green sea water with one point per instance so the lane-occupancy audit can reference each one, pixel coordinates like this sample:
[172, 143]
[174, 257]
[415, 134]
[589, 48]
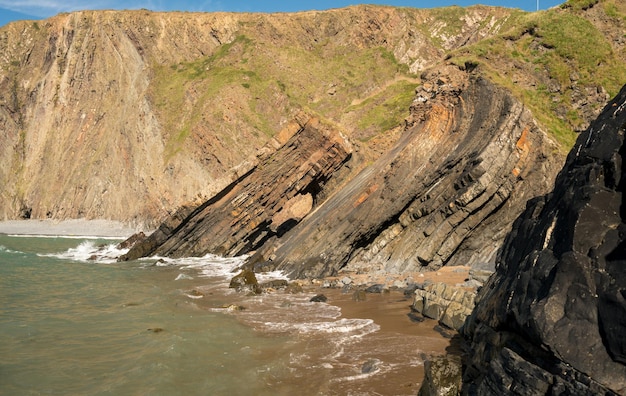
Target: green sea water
[73, 321]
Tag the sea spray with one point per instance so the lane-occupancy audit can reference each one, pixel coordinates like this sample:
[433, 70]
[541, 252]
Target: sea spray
[74, 320]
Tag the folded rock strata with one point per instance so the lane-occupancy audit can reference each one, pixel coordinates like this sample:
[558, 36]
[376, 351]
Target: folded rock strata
[470, 151]
[551, 319]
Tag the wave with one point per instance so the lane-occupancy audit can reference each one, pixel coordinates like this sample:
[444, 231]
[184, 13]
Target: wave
[7, 250]
[90, 251]
[208, 266]
[295, 314]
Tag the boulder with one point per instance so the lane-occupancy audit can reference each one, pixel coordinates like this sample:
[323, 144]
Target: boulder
[442, 376]
[448, 304]
[319, 298]
[132, 240]
[245, 281]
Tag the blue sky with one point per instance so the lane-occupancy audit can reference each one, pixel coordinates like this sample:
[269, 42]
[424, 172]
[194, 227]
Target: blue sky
[37, 9]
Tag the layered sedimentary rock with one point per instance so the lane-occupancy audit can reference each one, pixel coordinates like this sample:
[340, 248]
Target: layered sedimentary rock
[445, 193]
[450, 305]
[128, 115]
[471, 151]
[263, 204]
[552, 318]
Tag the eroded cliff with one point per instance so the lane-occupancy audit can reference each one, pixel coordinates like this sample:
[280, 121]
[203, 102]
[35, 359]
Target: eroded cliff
[453, 183]
[129, 115]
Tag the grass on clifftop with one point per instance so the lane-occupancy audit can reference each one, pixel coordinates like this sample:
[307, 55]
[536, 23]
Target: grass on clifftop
[549, 60]
[265, 84]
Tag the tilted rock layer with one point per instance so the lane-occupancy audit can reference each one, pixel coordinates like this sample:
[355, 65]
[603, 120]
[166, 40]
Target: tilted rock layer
[128, 115]
[552, 318]
[453, 183]
[263, 204]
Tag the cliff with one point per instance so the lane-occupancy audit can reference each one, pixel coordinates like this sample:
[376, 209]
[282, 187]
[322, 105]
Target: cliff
[551, 319]
[127, 115]
[130, 115]
[442, 188]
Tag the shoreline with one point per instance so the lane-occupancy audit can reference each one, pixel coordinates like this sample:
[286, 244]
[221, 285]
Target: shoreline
[67, 228]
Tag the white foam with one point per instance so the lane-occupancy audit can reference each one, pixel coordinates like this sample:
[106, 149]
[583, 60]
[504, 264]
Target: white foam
[351, 327]
[213, 266]
[89, 251]
[5, 249]
[209, 265]
[270, 313]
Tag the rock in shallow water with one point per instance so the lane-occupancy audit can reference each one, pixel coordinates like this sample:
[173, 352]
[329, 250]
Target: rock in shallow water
[319, 298]
[245, 281]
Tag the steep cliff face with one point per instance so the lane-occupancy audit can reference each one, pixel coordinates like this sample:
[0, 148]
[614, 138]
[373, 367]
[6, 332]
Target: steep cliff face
[128, 115]
[551, 320]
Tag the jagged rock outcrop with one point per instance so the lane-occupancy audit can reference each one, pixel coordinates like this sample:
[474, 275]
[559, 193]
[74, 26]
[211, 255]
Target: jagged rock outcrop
[263, 204]
[447, 192]
[450, 305]
[551, 320]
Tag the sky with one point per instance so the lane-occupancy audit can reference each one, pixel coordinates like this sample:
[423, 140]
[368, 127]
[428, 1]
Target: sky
[11, 10]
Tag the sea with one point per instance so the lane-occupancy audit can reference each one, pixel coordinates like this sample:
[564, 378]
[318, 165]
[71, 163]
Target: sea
[74, 321]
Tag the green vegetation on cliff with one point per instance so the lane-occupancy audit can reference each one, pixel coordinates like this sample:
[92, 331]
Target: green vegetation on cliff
[556, 61]
[249, 76]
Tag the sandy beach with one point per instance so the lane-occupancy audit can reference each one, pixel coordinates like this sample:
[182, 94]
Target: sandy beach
[75, 227]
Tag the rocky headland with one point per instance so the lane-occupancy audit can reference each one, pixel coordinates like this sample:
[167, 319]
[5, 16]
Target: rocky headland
[441, 189]
[359, 149]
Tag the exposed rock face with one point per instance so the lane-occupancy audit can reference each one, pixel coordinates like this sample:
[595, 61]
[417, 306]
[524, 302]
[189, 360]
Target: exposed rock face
[552, 318]
[263, 204]
[449, 305]
[472, 152]
[447, 192]
[145, 112]
[442, 376]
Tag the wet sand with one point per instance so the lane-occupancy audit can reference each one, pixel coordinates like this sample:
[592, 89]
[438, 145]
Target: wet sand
[391, 311]
[404, 340]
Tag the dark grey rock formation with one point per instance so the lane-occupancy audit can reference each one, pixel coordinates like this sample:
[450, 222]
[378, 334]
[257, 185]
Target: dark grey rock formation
[552, 319]
[446, 193]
